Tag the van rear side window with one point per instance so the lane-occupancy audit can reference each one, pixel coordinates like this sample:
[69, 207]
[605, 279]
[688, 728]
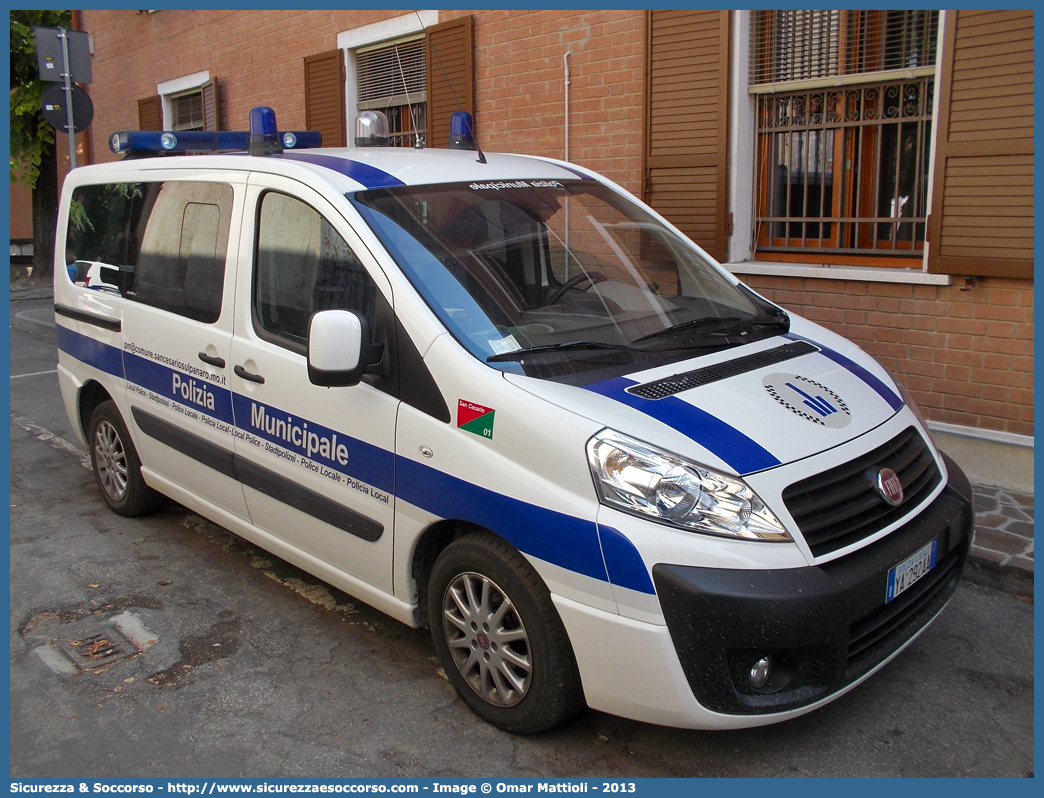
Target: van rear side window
[162, 244]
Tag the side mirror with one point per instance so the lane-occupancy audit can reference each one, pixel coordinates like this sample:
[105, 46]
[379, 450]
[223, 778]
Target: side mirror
[340, 348]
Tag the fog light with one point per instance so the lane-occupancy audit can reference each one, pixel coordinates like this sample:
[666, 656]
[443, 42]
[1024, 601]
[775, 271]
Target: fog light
[759, 673]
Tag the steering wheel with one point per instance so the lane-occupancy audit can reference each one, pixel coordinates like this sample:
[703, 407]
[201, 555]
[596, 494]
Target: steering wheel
[569, 285]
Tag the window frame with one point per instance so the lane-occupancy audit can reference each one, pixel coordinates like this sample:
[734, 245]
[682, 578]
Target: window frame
[198, 82]
[135, 229]
[740, 254]
[259, 330]
[365, 36]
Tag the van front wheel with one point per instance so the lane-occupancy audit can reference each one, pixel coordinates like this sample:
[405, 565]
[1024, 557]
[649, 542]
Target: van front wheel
[117, 469]
[499, 637]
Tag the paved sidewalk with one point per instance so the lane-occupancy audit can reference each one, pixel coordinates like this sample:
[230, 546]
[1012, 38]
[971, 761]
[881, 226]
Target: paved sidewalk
[1002, 550]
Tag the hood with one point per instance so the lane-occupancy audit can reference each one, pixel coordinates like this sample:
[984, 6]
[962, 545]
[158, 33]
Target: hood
[746, 409]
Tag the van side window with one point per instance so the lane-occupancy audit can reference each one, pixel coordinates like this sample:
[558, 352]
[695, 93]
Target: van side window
[170, 240]
[303, 265]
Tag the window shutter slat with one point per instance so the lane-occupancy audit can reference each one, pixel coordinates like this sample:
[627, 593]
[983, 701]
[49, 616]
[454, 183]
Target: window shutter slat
[686, 122]
[984, 154]
[450, 76]
[150, 113]
[211, 108]
[324, 96]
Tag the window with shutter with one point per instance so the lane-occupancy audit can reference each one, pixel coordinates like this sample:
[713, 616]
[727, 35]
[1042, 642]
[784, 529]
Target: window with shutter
[844, 125]
[188, 103]
[188, 110]
[391, 77]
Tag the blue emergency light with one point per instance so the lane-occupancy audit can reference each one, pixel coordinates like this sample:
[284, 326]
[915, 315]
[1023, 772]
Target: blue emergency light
[462, 134]
[263, 138]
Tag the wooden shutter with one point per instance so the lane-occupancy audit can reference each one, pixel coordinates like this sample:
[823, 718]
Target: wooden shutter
[686, 122]
[450, 80]
[324, 97]
[211, 108]
[982, 195]
[150, 113]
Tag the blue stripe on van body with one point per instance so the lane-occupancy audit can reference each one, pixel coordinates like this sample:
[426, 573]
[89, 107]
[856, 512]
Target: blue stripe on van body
[366, 463]
[623, 562]
[564, 540]
[179, 387]
[90, 351]
[733, 447]
[369, 176]
[891, 397]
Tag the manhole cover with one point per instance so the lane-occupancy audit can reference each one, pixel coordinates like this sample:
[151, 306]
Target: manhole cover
[98, 649]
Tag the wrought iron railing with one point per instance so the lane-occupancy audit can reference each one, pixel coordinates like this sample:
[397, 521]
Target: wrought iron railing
[844, 169]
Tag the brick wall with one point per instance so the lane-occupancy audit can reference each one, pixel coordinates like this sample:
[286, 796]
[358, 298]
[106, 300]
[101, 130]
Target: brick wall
[520, 86]
[257, 57]
[965, 356]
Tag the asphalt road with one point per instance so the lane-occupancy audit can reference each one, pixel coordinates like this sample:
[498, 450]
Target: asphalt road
[252, 668]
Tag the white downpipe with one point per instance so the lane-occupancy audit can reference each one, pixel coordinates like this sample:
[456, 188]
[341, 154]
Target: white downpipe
[565, 64]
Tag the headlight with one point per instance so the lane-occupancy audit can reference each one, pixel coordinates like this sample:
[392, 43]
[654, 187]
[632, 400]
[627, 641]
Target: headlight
[640, 479]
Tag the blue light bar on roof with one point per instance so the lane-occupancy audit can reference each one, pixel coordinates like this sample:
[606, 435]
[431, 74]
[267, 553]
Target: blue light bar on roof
[263, 125]
[126, 141]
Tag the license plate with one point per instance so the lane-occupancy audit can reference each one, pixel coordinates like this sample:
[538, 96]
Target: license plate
[901, 576]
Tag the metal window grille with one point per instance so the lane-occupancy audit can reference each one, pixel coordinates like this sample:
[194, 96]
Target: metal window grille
[845, 170]
[188, 110]
[391, 78]
[813, 45]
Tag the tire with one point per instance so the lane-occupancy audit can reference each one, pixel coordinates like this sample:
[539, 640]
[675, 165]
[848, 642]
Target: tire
[117, 469]
[499, 637]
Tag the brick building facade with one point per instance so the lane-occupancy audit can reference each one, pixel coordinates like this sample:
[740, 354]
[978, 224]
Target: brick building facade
[944, 302]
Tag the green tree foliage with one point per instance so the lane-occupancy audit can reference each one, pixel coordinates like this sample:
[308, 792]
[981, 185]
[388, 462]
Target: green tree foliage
[31, 136]
[33, 156]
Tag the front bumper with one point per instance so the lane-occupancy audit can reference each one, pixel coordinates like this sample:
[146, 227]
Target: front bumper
[824, 626]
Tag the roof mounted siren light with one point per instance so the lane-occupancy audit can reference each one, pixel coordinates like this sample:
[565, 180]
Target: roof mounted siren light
[264, 134]
[262, 139]
[371, 129]
[462, 134]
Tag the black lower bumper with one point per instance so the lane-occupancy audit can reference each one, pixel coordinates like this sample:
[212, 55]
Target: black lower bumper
[823, 626]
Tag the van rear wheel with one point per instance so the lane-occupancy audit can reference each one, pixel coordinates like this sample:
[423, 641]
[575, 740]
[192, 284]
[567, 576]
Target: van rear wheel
[117, 469]
[499, 637]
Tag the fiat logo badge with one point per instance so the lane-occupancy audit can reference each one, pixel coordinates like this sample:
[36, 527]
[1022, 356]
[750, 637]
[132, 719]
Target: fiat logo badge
[890, 486]
[484, 641]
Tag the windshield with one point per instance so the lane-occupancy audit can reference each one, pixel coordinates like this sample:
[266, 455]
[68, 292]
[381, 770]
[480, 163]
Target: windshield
[555, 278]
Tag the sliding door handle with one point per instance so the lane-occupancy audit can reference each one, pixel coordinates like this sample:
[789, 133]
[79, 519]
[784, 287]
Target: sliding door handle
[246, 375]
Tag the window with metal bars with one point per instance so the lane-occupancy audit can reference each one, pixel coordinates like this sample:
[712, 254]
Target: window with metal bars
[391, 78]
[844, 115]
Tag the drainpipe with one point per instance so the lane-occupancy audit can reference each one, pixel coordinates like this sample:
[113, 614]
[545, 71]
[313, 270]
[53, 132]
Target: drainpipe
[565, 63]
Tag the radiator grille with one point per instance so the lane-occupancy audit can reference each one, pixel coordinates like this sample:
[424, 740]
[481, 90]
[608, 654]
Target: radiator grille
[841, 506]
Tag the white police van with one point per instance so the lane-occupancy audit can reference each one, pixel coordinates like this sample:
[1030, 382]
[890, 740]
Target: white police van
[499, 396]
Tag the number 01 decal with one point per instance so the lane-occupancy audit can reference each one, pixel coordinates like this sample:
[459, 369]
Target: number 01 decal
[475, 419]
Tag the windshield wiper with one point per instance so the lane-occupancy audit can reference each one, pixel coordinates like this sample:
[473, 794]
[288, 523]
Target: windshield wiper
[563, 347]
[718, 326]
